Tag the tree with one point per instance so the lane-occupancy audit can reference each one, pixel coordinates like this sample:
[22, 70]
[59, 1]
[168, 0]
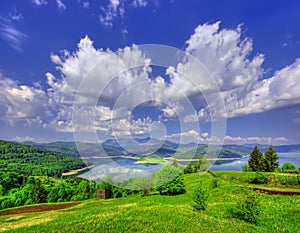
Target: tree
[169, 180]
[200, 196]
[256, 160]
[270, 160]
[248, 208]
[202, 165]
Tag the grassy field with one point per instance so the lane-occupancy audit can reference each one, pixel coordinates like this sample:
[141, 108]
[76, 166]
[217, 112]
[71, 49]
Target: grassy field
[156, 213]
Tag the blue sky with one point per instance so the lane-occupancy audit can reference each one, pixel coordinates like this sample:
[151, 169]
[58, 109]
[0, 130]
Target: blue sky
[251, 49]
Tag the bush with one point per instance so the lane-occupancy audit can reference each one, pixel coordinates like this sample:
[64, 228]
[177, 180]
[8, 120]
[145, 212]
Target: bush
[246, 168]
[259, 178]
[287, 167]
[169, 180]
[215, 183]
[288, 180]
[248, 208]
[200, 197]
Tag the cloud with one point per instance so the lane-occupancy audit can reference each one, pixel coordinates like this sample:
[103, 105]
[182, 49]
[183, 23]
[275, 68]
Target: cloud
[21, 103]
[78, 69]
[191, 136]
[281, 90]
[226, 56]
[200, 116]
[12, 35]
[255, 140]
[116, 9]
[40, 2]
[61, 6]
[86, 4]
[139, 3]
[238, 74]
[101, 84]
[15, 15]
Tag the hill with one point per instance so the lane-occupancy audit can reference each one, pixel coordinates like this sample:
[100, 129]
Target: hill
[112, 147]
[156, 213]
[31, 160]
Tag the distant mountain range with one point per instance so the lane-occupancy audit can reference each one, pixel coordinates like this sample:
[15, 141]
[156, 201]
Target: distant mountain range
[126, 147]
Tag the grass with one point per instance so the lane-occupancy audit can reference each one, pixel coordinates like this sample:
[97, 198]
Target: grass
[166, 214]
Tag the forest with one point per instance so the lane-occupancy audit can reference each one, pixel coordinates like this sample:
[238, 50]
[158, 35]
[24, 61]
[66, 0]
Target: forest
[31, 160]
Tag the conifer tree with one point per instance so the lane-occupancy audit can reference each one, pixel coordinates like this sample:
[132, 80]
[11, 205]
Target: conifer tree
[270, 160]
[256, 160]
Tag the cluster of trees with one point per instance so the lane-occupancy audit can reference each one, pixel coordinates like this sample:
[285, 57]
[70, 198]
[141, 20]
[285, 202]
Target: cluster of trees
[201, 165]
[266, 162]
[30, 160]
[169, 180]
[18, 189]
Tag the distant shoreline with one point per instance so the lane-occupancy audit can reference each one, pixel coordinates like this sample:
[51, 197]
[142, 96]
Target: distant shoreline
[155, 161]
[75, 172]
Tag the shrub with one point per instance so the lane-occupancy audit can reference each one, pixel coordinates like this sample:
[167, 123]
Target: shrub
[169, 180]
[259, 178]
[248, 208]
[246, 168]
[200, 197]
[287, 167]
[215, 183]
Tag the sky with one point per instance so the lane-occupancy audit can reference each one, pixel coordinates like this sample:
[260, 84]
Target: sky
[187, 71]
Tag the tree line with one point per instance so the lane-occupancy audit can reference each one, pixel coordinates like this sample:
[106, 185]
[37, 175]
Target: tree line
[266, 162]
[18, 189]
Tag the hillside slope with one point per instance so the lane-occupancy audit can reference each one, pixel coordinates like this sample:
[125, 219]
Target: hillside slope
[31, 160]
[165, 213]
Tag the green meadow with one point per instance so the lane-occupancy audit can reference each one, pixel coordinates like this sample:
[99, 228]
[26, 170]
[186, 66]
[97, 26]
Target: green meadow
[156, 213]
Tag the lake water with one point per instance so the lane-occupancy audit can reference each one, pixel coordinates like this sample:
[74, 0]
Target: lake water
[123, 168]
[237, 164]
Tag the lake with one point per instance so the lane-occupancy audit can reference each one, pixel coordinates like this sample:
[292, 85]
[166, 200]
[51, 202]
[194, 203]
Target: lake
[124, 168]
[237, 164]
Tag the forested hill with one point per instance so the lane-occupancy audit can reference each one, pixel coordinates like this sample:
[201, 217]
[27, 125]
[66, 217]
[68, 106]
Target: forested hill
[32, 160]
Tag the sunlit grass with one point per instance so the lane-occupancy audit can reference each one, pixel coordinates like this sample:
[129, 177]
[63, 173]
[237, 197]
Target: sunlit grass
[165, 214]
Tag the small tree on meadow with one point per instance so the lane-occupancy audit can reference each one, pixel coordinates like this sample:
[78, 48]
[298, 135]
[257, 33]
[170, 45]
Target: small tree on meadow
[256, 160]
[270, 160]
[169, 180]
[200, 196]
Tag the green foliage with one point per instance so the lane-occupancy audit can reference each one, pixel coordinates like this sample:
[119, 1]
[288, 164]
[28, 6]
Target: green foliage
[270, 160]
[26, 190]
[200, 196]
[248, 208]
[169, 180]
[30, 160]
[246, 168]
[266, 162]
[290, 180]
[256, 160]
[155, 213]
[286, 167]
[259, 178]
[202, 165]
[215, 183]
[144, 185]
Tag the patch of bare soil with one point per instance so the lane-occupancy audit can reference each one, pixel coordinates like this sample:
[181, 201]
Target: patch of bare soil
[40, 208]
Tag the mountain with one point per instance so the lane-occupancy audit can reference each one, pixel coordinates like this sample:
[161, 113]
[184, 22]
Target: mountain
[32, 160]
[138, 146]
[278, 148]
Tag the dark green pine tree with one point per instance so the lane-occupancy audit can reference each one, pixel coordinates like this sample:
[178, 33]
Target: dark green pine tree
[256, 160]
[270, 160]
